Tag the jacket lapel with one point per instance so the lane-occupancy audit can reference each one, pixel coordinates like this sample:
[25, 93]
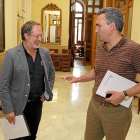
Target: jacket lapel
[23, 59]
[47, 86]
[43, 58]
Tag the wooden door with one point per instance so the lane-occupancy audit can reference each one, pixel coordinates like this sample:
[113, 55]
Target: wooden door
[72, 25]
[90, 42]
[95, 42]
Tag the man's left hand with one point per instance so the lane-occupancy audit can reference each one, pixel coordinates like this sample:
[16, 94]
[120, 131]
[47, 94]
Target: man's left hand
[116, 98]
[42, 98]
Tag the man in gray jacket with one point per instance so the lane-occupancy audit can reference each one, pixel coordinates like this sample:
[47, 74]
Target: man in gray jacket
[27, 78]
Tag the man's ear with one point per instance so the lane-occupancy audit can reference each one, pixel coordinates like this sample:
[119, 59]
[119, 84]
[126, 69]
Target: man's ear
[112, 26]
[26, 35]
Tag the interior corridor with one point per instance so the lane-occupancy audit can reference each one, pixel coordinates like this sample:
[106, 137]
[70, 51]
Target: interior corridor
[64, 118]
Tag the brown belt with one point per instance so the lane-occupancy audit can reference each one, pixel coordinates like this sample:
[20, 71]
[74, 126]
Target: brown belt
[106, 104]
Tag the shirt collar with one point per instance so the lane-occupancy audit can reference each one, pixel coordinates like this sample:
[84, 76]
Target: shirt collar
[26, 50]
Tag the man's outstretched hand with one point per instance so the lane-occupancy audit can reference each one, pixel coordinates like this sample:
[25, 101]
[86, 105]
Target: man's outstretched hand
[70, 78]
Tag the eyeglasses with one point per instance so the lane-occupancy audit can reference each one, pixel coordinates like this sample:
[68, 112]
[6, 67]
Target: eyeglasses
[37, 36]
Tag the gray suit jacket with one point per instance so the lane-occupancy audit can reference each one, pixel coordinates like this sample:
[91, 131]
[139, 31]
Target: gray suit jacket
[15, 79]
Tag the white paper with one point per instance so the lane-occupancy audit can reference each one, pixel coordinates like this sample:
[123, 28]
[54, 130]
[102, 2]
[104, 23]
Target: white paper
[11, 131]
[113, 81]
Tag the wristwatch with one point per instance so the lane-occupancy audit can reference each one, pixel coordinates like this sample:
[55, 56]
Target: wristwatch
[126, 96]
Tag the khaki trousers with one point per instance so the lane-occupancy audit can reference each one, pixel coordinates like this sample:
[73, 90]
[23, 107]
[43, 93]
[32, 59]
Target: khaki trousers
[111, 122]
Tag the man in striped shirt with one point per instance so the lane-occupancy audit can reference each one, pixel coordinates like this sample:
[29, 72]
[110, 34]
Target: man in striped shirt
[105, 117]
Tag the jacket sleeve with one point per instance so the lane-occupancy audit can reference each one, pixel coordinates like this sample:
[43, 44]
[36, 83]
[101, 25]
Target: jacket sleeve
[5, 78]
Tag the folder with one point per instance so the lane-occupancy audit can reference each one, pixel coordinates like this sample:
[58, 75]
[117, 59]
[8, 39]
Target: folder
[113, 81]
[12, 131]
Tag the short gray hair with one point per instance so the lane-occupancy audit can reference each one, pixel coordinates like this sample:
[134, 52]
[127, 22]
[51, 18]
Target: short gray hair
[113, 15]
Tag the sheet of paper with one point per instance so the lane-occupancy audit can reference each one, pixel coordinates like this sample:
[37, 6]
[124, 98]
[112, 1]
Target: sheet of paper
[11, 131]
[113, 81]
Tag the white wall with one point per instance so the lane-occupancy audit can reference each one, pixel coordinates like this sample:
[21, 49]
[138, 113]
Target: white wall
[11, 10]
[10, 23]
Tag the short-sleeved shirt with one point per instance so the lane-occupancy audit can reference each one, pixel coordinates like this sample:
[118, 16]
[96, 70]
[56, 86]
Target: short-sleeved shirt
[123, 59]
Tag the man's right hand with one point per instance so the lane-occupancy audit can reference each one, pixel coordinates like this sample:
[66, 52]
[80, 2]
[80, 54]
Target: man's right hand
[70, 78]
[10, 117]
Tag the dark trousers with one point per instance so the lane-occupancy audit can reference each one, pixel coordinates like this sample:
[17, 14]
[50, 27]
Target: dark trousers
[32, 113]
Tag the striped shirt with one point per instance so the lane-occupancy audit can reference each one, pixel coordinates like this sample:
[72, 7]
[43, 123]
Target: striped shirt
[123, 59]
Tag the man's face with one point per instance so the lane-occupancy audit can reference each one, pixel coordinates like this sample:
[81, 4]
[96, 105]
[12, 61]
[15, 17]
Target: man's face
[102, 29]
[35, 37]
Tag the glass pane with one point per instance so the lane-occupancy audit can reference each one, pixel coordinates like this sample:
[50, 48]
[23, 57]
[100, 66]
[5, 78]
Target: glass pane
[97, 2]
[122, 3]
[90, 9]
[53, 33]
[75, 38]
[90, 2]
[117, 4]
[73, 7]
[76, 22]
[78, 15]
[80, 20]
[52, 19]
[96, 10]
[78, 7]
[58, 19]
[79, 32]
[129, 23]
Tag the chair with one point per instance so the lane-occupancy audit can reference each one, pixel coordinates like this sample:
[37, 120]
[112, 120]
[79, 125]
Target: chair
[137, 80]
[138, 96]
[54, 50]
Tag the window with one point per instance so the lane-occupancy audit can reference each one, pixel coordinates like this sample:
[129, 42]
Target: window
[78, 23]
[78, 7]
